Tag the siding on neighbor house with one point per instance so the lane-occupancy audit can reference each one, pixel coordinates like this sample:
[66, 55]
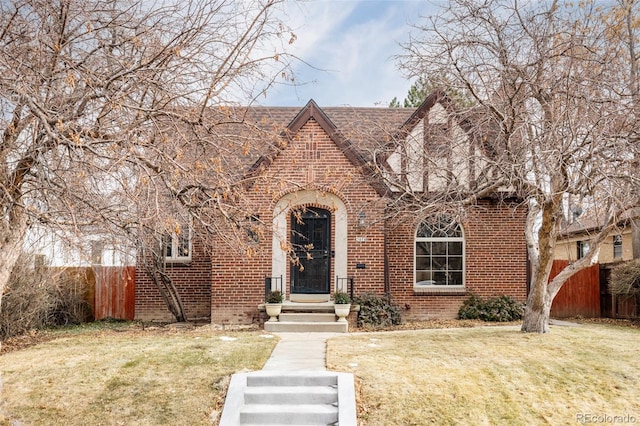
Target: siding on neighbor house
[566, 247]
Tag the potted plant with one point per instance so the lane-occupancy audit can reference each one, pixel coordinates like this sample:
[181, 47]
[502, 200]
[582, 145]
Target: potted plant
[342, 305]
[273, 304]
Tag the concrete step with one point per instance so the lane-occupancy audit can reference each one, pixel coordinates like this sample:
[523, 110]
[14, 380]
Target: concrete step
[288, 306]
[288, 398]
[294, 379]
[307, 317]
[317, 327]
[279, 395]
[290, 414]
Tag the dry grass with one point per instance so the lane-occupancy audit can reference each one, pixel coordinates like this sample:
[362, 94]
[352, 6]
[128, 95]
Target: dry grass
[126, 376]
[492, 376]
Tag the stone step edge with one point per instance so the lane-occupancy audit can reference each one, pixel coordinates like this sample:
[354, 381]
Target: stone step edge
[271, 389]
[289, 409]
[292, 379]
[303, 327]
[325, 307]
[307, 317]
[282, 396]
[296, 415]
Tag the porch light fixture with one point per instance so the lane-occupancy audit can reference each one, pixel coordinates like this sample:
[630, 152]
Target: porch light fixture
[362, 220]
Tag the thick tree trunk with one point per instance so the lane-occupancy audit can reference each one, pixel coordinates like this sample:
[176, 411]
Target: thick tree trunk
[536, 315]
[538, 309]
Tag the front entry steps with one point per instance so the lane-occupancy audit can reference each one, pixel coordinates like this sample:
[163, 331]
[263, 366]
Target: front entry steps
[294, 398]
[307, 317]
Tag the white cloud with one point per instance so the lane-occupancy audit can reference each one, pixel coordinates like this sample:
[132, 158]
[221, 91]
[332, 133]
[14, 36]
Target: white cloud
[350, 44]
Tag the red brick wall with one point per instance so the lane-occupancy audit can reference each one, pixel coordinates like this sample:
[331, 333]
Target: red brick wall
[193, 281]
[495, 262]
[231, 285]
[314, 161]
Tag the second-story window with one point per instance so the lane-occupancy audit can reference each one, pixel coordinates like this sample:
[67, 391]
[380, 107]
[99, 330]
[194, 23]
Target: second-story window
[617, 246]
[583, 248]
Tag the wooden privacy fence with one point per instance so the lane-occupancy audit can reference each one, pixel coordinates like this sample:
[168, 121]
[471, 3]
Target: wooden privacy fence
[614, 306]
[580, 295]
[115, 292]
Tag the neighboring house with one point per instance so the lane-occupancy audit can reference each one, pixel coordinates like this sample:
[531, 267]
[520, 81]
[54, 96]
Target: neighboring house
[576, 239]
[333, 209]
[587, 293]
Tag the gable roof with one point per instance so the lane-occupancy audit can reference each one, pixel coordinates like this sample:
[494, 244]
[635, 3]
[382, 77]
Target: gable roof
[589, 223]
[365, 128]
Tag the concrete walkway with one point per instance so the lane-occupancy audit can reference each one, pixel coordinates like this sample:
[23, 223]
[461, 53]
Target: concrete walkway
[299, 352]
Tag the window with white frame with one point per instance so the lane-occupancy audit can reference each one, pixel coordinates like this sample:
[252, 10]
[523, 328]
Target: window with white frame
[439, 253]
[177, 245]
[617, 246]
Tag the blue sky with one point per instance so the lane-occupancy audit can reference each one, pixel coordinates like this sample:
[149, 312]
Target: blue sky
[349, 46]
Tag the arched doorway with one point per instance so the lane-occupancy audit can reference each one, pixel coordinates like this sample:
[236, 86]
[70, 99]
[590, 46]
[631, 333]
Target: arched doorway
[299, 201]
[311, 243]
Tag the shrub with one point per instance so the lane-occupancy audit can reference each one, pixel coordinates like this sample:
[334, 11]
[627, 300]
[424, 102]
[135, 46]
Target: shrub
[496, 309]
[275, 296]
[69, 296]
[26, 302]
[625, 279]
[341, 298]
[37, 297]
[377, 311]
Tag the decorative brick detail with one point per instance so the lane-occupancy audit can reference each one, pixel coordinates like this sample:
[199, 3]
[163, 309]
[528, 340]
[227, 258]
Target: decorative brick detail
[238, 282]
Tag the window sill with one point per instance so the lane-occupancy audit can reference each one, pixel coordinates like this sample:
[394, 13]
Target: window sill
[439, 290]
[186, 261]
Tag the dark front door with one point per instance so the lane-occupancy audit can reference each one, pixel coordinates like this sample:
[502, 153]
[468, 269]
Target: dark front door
[311, 244]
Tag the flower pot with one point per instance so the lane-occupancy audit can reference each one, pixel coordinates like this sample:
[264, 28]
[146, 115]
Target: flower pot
[273, 310]
[342, 311]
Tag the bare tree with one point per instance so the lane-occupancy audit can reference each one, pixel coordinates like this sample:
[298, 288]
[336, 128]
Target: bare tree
[104, 102]
[553, 119]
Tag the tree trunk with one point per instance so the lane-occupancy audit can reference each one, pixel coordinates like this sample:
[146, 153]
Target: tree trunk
[154, 267]
[538, 309]
[536, 315]
[169, 294]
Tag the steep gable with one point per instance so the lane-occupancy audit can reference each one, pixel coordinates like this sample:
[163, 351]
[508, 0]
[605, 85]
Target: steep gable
[436, 149]
[312, 113]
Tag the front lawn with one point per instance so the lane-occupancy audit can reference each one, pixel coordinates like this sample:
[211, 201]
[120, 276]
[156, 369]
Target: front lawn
[126, 375]
[494, 375]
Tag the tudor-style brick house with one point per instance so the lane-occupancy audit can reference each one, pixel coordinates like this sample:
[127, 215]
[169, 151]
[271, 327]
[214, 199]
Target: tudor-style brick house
[326, 193]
